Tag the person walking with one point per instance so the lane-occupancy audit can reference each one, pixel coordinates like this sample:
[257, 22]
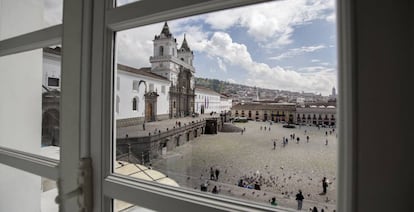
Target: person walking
[297, 140]
[324, 185]
[307, 139]
[326, 142]
[217, 174]
[299, 198]
[211, 173]
[315, 209]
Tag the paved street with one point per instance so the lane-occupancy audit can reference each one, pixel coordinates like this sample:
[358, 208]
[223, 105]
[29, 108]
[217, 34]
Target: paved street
[283, 171]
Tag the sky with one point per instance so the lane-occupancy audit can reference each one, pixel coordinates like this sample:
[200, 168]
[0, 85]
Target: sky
[284, 45]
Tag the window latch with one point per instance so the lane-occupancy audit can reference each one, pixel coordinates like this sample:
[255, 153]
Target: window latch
[84, 189]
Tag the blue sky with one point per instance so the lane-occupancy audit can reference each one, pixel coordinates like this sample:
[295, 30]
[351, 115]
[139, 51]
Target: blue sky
[286, 45]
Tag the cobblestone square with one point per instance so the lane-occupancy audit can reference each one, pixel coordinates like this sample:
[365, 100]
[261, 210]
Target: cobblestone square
[283, 170]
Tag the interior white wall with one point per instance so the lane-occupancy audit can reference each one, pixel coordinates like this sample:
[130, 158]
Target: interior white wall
[20, 107]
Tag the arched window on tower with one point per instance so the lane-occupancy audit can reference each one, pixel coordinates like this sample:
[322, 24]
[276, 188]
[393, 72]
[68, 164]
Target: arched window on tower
[161, 50]
[135, 103]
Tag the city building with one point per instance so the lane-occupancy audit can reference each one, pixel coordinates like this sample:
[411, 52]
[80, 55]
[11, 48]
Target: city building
[321, 114]
[206, 100]
[277, 112]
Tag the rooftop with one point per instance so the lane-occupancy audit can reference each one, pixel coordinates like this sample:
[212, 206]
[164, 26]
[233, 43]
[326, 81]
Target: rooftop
[146, 71]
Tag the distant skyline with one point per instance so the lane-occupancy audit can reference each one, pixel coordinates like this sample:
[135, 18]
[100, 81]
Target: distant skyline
[284, 45]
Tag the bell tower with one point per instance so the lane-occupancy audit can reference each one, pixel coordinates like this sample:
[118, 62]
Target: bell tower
[185, 54]
[165, 49]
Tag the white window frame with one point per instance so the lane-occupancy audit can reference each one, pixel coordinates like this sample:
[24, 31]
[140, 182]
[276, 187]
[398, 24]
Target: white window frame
[87, 69]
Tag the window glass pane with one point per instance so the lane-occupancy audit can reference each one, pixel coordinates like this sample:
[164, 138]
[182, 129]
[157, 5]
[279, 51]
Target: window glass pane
[22, 191]
[24, 16]
[124, 2]
[30, 86]
[121, 206]
[239, 83]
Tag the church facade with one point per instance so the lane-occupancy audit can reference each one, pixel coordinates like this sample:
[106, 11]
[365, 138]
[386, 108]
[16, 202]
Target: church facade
[164, 90]
[176, 64]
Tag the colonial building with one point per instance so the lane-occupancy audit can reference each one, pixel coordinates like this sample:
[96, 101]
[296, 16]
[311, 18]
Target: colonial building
[206, 100]
[225, 103]
[140, 95]
[317, 115]
[287, 112]
[276, 112]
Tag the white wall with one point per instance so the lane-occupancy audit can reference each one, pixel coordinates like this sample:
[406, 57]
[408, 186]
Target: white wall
[210, 101]
[126, 94]
[20, 107]
[225, 104]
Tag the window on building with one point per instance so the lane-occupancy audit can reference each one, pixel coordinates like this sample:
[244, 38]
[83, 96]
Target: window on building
[161, 51]
[135, 103]
[151, 87]
[52, 81]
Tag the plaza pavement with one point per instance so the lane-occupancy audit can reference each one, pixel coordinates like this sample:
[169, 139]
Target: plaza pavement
[285, 170]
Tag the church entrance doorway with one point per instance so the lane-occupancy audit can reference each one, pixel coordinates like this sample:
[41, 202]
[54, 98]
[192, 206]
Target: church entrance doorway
[151, 106]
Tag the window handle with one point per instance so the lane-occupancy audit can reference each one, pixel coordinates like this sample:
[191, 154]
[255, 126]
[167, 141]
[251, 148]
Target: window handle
[84, 189]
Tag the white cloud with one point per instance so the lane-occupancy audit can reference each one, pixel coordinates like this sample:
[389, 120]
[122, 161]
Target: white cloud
[331, 18]
[317, 79]
[221, 65]
[135, 46]
[298, 51]
[231, 80]
[315, 61]
[313, 69]
[272, 23]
